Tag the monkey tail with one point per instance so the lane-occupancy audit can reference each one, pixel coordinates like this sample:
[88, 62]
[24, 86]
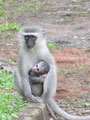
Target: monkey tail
[64, 114]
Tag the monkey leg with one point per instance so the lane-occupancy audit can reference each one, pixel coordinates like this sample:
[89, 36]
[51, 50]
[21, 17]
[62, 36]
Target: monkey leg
[22, 90]
[17, 83]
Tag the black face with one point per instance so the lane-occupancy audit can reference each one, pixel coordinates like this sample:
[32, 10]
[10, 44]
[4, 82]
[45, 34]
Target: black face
[30, 40]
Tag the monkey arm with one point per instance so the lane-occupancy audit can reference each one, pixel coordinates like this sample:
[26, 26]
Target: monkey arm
[50, 81]
[22, 85]
[36, 79]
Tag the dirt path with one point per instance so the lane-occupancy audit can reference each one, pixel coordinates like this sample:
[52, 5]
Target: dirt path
[67, 24]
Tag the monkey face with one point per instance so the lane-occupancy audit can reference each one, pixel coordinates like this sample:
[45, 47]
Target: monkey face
[30, 40]
[41, 68]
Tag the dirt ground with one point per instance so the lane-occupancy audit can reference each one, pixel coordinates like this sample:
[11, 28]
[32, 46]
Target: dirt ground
[67, 25]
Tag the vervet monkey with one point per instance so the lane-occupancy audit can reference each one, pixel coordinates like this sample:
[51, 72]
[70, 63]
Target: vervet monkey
[33, 48]
[37, 76]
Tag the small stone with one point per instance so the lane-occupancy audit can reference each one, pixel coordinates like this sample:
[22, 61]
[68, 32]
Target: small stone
[74, 1]
[75, 37]
[88, 10]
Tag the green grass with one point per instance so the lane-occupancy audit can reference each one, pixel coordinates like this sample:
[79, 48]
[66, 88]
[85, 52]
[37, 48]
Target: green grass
[68, 19]
[80, 66]
[70, 70]
[33, 7]
[6, 80]
[1, 2]
[11, 61]
[59, 72]
[78, 1]
[51, 45]
[11, 1]
[10, 26]
[10, 101]
[86, 104]
[2, 12]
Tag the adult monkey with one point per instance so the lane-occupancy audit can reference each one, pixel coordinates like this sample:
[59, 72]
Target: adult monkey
[32, 49]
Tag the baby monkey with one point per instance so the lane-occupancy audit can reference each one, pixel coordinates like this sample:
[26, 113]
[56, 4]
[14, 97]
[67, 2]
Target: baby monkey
[37, 74]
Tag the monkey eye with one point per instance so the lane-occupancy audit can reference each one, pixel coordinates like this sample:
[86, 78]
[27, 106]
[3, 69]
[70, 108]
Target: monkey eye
[36, 65]
[33, 37]
[26, 37]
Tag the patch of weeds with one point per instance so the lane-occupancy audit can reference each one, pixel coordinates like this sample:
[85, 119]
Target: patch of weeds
[9, 16]
[58, 48]
[59, 72]
[11, 61]
[70, 70]
[3, 12]
[51, 45]
[68, 19]
[80, 66]
[11, 1]
[1, 2]
[68, 105]
[14, 116]
[78, 1]
[20, 8]
[35, 6]
[10, 103]
[8, 33]
[47, 5]
[59, 20]
[6, 80]
[10, 26]
[86, 104]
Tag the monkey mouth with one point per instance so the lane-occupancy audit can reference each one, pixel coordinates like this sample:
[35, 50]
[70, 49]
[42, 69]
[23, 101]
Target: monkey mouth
[30, 46]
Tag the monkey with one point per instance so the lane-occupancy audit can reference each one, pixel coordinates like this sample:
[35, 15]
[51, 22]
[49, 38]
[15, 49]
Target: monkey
[40, 69]
[32, 48]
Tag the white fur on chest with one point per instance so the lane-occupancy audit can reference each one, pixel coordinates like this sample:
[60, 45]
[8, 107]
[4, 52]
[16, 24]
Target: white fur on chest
[32, 57]
[29, 60]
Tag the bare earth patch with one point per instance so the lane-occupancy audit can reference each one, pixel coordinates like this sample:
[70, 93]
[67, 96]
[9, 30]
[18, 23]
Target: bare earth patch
[73, 88]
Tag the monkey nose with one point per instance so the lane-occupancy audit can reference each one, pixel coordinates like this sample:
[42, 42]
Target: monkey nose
[34, 68]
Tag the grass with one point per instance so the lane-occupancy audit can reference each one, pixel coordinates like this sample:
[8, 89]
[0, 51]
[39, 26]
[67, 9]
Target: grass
[2, 12]
[68, 19]
[80, 66]
[70, 70]
[59, 72]
[10, 102]
[6, 80]
[1, 2]
[86, 104]
[33, 7]
[78, 1]
[11, 1]
[10, 26]
[51, 45]
[11, 61]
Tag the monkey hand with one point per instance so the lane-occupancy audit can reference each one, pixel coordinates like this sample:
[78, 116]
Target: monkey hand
[37, 79]
[44, 75]
[34, 99]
